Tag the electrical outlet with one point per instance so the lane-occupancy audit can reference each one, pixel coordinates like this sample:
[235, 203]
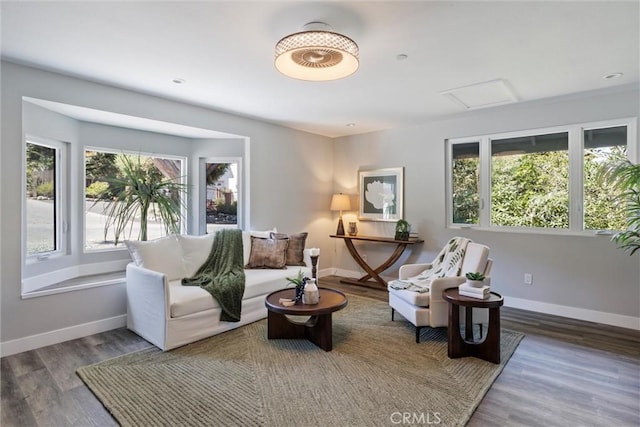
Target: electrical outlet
[528, 279]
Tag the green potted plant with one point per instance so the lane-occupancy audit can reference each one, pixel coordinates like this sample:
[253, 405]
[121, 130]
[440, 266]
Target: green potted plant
[402, 230]
[143, 188]
[475, 279]
[299, 281]
[624, 176]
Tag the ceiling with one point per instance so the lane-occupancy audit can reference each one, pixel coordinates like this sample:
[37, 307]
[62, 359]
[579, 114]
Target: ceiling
[224, 51]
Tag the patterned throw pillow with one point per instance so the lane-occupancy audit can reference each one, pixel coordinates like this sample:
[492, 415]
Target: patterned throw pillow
[295, 250]
[267, 253]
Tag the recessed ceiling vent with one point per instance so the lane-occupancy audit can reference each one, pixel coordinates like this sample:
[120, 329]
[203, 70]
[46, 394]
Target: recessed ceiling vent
[482, 95]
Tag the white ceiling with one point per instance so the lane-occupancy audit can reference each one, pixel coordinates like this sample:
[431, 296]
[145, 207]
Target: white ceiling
[224, 52]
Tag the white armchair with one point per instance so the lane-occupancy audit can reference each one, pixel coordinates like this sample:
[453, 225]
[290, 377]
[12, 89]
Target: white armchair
[429, 309]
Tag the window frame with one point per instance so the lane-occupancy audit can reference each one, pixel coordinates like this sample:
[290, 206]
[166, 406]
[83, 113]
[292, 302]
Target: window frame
[201, 200]
[183, 180]
[575, 185]
[62, 201]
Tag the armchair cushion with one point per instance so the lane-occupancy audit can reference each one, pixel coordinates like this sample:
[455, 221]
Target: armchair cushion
[421, 299]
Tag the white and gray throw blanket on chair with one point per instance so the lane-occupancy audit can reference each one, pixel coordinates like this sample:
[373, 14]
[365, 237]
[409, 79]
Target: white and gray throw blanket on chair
[447, 264]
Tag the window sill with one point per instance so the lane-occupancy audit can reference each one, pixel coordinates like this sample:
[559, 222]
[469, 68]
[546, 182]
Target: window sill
[78, 283]
[546, 232]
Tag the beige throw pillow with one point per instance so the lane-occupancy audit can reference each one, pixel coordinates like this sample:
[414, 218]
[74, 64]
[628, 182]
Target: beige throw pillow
[295, 250]
[267, 253]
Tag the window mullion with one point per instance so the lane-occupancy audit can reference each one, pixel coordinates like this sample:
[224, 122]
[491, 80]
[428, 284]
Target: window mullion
[485, 182]
[576, 168]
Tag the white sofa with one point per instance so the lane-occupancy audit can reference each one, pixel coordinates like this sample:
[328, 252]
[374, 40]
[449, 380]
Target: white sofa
[170, 315]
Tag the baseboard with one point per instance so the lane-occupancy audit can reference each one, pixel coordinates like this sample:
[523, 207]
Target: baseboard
[612, 319]
[32, 342]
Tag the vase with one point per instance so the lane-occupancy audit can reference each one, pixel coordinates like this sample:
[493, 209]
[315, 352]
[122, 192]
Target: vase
[353, 229]
[299, 293]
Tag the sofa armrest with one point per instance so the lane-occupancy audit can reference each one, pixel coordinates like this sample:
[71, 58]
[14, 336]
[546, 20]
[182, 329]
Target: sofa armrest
[148, 305]
[410, 270]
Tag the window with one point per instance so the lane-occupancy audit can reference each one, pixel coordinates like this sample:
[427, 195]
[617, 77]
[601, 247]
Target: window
[601, 145]
[537, 180]
[221, 201]
[45, 181]
[466, 191]
[109, 217]
[530, 181]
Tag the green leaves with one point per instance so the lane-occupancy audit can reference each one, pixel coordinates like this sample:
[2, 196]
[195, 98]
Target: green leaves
[625, 176]
[475, 276]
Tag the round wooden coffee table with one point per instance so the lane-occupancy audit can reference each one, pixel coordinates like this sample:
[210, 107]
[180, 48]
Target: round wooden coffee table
[489, 349]
[317, 329]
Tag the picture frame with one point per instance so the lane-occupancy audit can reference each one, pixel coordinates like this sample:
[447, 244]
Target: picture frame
[381, 194]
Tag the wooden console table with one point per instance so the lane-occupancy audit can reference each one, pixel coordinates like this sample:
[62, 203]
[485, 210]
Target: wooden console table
[374, 273]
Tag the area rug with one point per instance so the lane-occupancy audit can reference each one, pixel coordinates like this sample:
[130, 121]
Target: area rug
[375, 375]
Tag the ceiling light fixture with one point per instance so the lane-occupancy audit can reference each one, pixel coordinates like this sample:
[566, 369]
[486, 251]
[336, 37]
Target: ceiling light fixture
[317, 54]
[178, 81]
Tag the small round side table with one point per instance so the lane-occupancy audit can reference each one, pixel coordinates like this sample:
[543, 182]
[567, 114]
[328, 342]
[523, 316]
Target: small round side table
[489, 349]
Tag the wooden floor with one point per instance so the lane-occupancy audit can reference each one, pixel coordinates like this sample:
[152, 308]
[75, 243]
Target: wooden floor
[564, 373]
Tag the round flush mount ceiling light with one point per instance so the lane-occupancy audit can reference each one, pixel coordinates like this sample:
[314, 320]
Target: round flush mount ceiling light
[317, 54]
[612, 76]
[178, 81]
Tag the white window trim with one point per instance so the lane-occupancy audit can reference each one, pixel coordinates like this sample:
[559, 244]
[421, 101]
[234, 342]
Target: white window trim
[576, 149]
[202, 191]
[62, 200]
[183, 180]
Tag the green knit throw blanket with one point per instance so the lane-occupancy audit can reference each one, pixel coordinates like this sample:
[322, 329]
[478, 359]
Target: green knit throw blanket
[222, 274]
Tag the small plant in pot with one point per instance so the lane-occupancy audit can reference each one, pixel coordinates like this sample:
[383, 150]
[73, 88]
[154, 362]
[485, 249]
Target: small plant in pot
[402, 230]
[475, 279]
[299, 281]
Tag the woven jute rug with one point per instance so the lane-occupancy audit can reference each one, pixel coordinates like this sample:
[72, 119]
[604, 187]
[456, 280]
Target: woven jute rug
[375, 375]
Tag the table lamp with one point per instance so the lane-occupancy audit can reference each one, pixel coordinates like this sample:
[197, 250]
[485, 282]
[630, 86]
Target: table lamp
[340, 202]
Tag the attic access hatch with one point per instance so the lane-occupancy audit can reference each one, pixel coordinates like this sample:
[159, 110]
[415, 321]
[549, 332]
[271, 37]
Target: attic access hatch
[482, 95]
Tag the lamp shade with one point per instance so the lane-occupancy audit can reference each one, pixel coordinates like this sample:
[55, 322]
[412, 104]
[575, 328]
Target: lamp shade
[340, 202]
[317, 55]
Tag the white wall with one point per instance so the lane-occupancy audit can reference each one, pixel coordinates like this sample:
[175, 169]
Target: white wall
[585, 272]
[291, 185]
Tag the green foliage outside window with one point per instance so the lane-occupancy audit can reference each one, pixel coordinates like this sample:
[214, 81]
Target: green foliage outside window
[530, 190]
[465, 191]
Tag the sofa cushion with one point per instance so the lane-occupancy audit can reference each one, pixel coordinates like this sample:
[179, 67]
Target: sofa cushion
[295, 250]
[195, 251]
[187, 300]
[163, 255]
[246, 241]
[267, 253]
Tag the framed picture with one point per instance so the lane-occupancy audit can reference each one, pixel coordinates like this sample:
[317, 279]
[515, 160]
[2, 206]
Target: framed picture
[381, 194]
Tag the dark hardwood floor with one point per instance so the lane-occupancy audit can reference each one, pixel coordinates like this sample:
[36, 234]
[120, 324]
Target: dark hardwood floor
[564, 373]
